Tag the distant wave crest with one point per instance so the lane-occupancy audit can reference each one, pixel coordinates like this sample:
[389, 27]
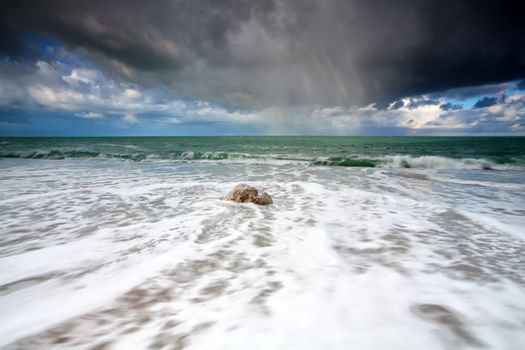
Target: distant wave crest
[393, 161]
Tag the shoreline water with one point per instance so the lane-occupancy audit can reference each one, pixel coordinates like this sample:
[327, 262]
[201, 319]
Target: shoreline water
[124, 255]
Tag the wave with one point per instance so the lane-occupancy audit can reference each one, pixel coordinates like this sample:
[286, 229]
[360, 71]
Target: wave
[437, 162]
[418, 162]
[138, 156]
[347, 162]
[49, 154]
[393, 161]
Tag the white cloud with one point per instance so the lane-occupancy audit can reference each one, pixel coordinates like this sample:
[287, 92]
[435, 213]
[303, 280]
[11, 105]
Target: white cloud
[61, 98]
[173, 120]
[130, 118]
[44, 69]
[131, 94]
[81, 75]
[90, 115]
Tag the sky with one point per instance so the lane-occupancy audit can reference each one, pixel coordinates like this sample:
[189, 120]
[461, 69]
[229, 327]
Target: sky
[273, 67]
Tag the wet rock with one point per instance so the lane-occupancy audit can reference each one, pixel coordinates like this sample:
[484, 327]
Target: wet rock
[243, 193]
[263, 199]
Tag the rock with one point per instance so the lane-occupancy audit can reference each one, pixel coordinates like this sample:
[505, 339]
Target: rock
[243, 193]
[263, 199]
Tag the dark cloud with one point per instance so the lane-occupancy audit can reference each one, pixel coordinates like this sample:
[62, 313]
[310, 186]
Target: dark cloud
[262, 53]
[434, 123]
[10, 41]
[464, 93]
[415, 103]
[450, 106]
[486, 102]
[398, 104]
[382, 105]
[490, 101]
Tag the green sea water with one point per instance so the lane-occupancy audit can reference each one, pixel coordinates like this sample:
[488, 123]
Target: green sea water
[484, 152]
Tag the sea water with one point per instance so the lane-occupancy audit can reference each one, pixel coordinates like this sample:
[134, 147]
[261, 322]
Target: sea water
[371, 243]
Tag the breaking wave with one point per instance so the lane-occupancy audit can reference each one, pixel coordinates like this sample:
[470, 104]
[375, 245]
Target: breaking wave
[436, 162]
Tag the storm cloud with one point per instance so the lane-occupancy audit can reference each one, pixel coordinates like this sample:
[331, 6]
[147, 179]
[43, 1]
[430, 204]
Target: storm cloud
[261, 54]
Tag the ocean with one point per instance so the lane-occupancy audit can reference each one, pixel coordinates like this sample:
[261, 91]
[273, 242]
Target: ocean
[371, 243]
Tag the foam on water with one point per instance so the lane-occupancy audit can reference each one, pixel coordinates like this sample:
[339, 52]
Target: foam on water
[123, 255]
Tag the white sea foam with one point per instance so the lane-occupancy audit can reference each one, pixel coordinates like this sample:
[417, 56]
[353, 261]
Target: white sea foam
[138, 255]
